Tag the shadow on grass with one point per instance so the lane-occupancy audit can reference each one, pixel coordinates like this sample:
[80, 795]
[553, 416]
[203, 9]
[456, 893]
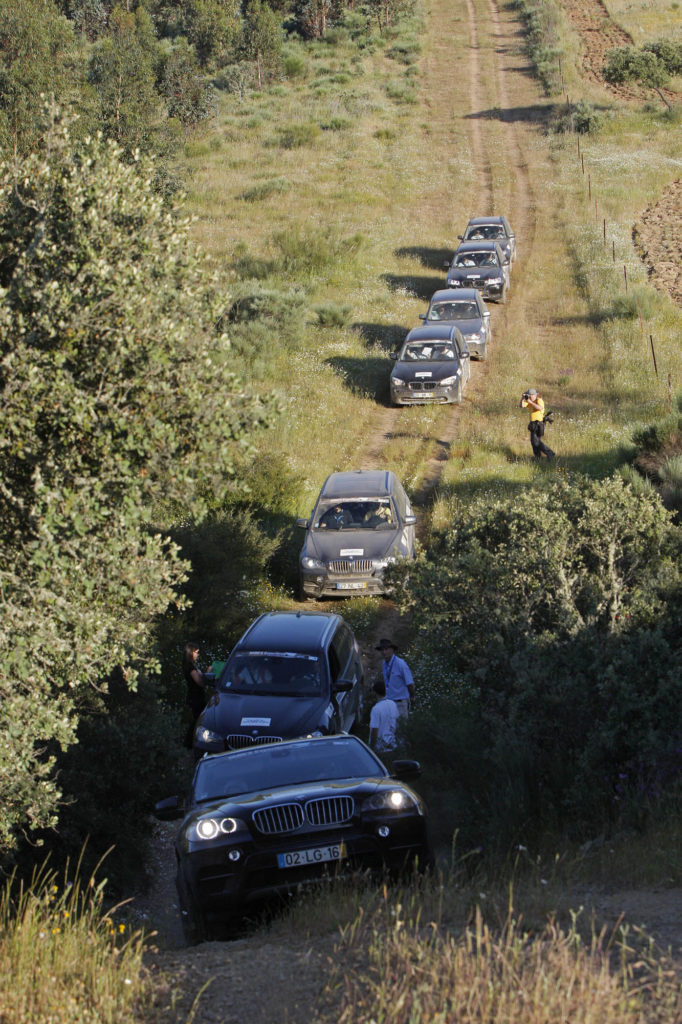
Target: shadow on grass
[536, 113]
[387, 336]
[420, 287]
[432, 259]
[367, 377]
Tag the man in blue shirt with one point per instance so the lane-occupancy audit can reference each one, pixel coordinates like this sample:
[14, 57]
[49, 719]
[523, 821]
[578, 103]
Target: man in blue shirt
[397, 677]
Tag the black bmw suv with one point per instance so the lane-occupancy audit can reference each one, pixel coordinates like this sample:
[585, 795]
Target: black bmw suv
[291, 674]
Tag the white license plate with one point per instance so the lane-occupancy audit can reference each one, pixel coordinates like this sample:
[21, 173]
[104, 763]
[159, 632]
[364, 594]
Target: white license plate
[316, 855]
[351, 586]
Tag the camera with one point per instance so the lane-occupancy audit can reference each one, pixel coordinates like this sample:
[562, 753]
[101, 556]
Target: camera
[548, 417]
[526, 395]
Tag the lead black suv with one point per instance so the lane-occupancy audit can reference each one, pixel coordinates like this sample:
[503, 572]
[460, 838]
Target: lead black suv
[291, 674]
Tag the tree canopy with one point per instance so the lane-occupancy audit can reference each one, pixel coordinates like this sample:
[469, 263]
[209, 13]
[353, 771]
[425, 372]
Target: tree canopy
[119, 401]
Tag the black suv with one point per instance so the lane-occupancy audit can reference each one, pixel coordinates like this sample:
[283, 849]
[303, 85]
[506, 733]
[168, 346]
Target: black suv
[291, 674]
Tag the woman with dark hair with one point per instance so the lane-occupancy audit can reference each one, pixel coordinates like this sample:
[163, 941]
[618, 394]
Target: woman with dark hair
[197, 682]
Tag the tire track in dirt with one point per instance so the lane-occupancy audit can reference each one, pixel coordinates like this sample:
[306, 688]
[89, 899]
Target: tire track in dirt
[658, 241]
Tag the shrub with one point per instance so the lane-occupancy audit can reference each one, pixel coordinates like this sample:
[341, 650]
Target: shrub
[264, 189]
[385, 134]
[336, 124]
[628, 64]
[247, 266]
[280, 312]
[401, 92]
[294, 66]
[310, 250]
[668, 53]
[294, 136]
[332, 315]
[582, 118]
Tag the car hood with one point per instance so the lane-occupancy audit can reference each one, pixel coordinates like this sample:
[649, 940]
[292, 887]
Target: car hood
[331, 544]
[425, 370]
[287, 717]
[286, 794]
[473, 273]
[468, 327]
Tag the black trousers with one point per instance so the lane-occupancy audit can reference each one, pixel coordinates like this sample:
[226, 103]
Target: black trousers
[539, 447]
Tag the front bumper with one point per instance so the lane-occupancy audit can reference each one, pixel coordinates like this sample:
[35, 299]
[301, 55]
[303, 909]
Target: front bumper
[318, 583]
[419, 393]
[487, 290]
[224, 887]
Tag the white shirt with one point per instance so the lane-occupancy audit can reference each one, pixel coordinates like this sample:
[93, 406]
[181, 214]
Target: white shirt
[383, 718]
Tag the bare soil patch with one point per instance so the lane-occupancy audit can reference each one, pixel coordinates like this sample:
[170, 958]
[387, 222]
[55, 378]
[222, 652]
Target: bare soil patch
[658, 240]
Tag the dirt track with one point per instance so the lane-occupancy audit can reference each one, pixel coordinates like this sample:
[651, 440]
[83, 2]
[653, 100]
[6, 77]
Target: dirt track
[264, 981]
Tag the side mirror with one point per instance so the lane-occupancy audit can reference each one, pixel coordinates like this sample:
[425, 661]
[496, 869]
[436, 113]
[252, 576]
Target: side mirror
[302, 523]
[392, 355]
[446, 264]
[461, 237]
[343, 686]
[422, 316]
[487, 314]
[169, 809]
[410, 520]
[404, 769]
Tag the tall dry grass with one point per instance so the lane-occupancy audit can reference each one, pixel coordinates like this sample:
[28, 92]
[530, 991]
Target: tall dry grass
[63, 957]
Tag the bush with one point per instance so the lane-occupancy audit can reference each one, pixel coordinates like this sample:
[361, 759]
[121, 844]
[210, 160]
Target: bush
[264, 189]
[332, 315]
[294, 66]
[251, 267]
[668, 53]
[628, 64]
[294, 136]
[582, 118]
[280, 313]
[336, 124]
[311, 250]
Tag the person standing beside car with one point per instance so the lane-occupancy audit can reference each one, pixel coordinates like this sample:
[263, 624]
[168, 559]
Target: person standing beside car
[531, 399]
[197, 684]
[382, 720]
[397, 677]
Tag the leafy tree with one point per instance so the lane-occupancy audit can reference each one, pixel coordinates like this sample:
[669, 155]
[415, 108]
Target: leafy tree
[313, 17]
[123, 71]
[556, 618]
[119, 401]
[387, 12]
[190, 99]
[262, 39]
[36, 56]
[210, 25]
[629, 64]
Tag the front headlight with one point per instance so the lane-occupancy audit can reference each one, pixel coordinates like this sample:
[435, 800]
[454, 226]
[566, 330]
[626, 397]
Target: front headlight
[448, 382]
[203, 735]
[494, 280]
[391, 800]
[454, 283]
[397, 382]
[312, 563]
[381, 563]
[210, 828]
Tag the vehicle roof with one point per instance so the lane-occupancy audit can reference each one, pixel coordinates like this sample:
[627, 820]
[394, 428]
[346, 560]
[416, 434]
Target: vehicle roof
[476, 244]
[359, 483]
[487, 220]
[450, 294]
[433, 332]
[293, 632]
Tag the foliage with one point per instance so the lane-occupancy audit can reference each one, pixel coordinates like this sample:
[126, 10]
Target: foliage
[311, 250]
[118, 396]
[123, 73]
[542, 33]
[582, 117]
[669, 53]
[262, 39]
[330, 314]
[293, 136]
[36, 57]
[560, 611]
[313, 17]
[188, 96]
[63, 957]
[630, 64]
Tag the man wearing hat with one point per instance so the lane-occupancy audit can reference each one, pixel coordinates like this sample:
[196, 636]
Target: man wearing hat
[532, 400]
[397, 677]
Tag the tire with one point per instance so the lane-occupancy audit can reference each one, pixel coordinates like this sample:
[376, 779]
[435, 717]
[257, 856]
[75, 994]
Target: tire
[503, 297]
[483, 355]
[458, 395]
[194, 927]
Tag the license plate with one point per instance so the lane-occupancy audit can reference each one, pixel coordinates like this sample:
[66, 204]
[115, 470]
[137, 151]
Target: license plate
[351, 586]
[316, 855]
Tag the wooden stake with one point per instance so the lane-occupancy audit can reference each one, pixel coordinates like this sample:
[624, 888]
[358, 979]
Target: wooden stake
[653, 353]
[625, 275]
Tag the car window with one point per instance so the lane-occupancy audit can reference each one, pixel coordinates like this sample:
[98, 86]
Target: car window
[400, 499]
[272, 674]
[356, 514]
[433, 350]
[275, 765]
[465, 310]
[342, 647]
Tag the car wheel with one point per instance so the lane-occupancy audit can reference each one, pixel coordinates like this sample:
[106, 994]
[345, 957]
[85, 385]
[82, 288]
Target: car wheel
[458, 394]
[503, 296]
[194, 928]
[483, 354]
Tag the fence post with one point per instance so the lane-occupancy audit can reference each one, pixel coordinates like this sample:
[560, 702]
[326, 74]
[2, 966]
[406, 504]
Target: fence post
[653, 353]
[625, 275]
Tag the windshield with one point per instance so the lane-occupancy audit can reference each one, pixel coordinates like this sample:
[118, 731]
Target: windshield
[476, 259]
[274, 765]
[488, 231]
[434, 351]
[454, 311]
[355, 514]
[272, 674]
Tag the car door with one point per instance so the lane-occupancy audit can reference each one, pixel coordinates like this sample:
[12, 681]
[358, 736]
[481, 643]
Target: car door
[464, 358]
[404, 510]
[342, 665]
